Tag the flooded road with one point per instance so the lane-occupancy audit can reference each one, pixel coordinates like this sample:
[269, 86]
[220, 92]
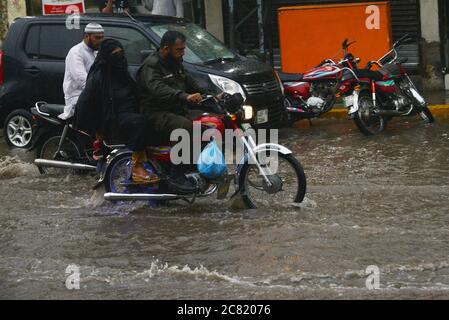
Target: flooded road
[381, 201]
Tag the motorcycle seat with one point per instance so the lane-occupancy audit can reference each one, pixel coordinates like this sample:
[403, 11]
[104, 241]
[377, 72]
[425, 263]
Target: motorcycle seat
[53, 110]
[374, 75]
[290, 77]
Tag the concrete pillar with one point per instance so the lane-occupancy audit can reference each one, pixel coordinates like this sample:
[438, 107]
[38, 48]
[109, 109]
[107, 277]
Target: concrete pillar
[214, 18]
[431, 45]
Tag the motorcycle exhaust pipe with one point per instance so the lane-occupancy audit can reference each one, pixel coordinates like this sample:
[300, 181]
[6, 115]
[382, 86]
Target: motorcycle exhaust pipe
[112, 196]
[295, 110]
[389, 113]
[63, 165]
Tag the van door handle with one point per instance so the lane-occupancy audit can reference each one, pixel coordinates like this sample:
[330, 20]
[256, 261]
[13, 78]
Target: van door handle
[33, 70]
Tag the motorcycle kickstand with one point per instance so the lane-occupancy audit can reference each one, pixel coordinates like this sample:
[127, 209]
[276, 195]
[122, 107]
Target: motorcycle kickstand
[190, 201]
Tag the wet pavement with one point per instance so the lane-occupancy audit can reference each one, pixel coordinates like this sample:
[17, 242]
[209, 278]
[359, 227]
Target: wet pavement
[381, 201]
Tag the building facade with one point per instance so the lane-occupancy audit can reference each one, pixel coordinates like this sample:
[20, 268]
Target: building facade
[252, 25]
[251, 28]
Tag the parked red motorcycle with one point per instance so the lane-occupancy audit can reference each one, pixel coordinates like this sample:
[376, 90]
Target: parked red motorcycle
[386, 93]
[315, 92]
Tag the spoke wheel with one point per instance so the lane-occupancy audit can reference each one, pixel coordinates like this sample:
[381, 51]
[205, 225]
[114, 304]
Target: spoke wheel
[365, 119]
[70, 152]
[287, 182]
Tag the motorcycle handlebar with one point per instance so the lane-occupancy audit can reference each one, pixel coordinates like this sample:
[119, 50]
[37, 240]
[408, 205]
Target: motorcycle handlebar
[404, 39]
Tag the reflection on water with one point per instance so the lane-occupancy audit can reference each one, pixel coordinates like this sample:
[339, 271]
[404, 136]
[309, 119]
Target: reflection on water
[380, 201]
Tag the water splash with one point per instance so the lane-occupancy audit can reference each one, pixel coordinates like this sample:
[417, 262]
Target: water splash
[13, 167]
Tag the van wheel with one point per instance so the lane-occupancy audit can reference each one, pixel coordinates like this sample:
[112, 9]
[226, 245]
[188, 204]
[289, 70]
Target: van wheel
[17, 129]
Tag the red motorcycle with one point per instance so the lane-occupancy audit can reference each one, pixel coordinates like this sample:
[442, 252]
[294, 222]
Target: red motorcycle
[315, 92]
[389, 92]
[267, 173]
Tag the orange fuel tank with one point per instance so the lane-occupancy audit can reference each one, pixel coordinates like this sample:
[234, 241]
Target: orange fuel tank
[310, 34]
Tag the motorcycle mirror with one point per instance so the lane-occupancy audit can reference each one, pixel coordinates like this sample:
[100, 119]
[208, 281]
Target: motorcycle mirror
[345, 43]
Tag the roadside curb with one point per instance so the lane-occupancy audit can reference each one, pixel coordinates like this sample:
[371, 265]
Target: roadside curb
[438, 110]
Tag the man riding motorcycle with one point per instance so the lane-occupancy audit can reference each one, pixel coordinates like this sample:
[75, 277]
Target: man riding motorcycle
[166, 95]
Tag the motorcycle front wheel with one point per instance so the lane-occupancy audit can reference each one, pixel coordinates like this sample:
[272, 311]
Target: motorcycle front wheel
[365, 119]
[287, 182]
[426, 115]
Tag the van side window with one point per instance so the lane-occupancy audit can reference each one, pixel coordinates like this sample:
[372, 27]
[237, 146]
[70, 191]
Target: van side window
[132, 40]
[56, 41]
[32, 42]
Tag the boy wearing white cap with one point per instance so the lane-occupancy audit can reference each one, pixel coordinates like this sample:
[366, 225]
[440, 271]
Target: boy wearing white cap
[77, 64]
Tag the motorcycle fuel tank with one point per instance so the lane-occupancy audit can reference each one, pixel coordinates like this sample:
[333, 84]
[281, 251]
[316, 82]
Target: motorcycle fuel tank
[297, 89]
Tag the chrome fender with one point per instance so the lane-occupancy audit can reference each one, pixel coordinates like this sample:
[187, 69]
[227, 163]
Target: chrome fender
[109, 159]
[355, 102]
[260, 148]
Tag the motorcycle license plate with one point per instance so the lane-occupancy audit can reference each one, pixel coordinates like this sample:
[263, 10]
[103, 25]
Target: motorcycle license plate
[262, 116]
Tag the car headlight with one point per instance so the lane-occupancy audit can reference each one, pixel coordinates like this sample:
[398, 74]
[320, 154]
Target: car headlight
[227, 85]
[276, 75]
[248, 112]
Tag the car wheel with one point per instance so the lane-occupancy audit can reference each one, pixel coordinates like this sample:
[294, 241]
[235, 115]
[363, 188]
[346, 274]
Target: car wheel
[17, 129]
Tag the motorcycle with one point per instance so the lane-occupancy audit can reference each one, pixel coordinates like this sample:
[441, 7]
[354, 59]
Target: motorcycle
[265, 171]
[315, 92]
[388, 93]
[58, 145]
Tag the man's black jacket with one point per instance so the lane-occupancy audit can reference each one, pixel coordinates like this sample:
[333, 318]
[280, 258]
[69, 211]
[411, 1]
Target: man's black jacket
[163, 86]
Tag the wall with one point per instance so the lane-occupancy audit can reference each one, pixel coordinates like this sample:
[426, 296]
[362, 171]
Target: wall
[214, 18]
[16, 9]
[431, 61]
[3, 20]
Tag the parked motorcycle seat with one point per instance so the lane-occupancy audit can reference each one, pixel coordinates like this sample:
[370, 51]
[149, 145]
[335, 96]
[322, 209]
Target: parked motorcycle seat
[290, 77]
[374, 75]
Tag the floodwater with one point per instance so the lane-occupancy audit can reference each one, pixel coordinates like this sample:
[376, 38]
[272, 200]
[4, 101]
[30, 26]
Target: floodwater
[372, 201]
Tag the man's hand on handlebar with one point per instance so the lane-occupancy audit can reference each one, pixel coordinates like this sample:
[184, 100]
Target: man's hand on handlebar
[220, 96]
[195, 98]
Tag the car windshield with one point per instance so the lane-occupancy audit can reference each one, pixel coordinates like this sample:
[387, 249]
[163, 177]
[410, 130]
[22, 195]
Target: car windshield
[201, 46]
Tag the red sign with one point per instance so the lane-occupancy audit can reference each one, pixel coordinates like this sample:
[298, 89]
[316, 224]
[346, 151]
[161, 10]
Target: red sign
[62, 6]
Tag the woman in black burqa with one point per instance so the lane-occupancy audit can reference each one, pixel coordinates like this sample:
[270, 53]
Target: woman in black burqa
[107, 107]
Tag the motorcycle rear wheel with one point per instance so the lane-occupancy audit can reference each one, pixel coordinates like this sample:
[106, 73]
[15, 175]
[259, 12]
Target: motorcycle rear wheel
[117, 178]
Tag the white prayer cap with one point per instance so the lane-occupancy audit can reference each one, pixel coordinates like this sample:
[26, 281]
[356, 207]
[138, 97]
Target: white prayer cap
[94, 28]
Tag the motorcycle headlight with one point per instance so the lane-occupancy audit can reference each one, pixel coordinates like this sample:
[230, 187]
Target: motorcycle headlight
[248, 112]
[227, 85]
[276, 75]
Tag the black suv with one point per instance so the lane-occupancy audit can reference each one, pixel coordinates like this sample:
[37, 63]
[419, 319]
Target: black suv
[34, 51]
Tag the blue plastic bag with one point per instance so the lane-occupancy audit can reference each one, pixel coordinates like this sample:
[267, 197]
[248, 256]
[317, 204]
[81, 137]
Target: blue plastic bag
[211, 162]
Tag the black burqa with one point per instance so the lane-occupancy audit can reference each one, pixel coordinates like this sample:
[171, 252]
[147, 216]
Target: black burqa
[95, 111]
